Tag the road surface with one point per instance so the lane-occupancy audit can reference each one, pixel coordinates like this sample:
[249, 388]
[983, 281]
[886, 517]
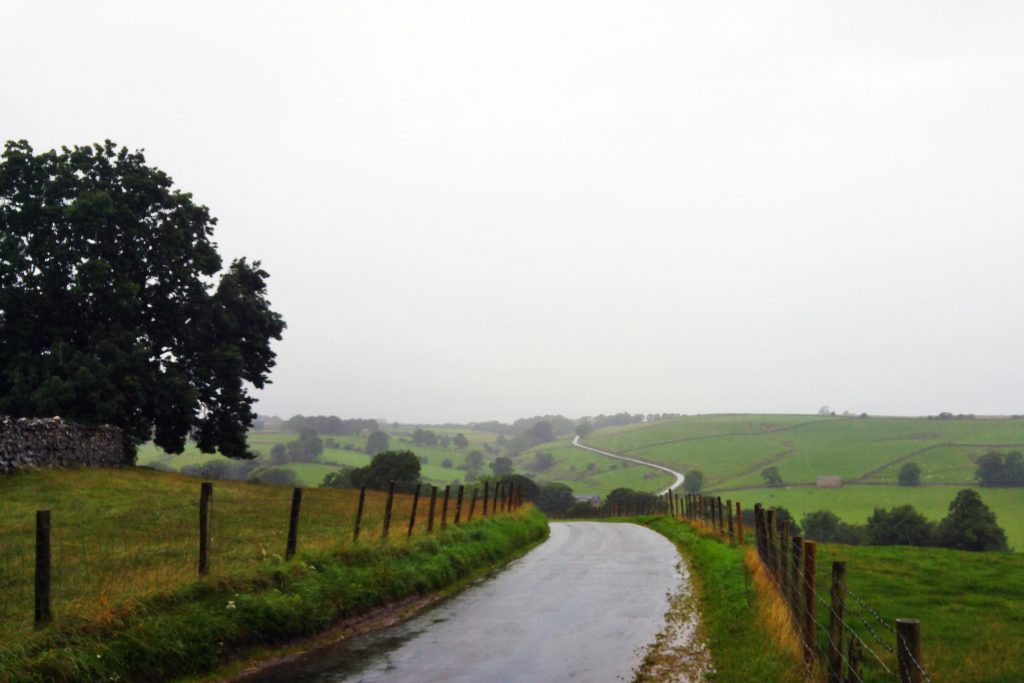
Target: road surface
[582, 606]
[678, 475]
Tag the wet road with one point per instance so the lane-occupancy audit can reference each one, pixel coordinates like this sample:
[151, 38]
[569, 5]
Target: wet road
[583, 606]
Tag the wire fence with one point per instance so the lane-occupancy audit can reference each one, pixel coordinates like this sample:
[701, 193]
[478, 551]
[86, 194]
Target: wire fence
[840, 632]
[88, 565]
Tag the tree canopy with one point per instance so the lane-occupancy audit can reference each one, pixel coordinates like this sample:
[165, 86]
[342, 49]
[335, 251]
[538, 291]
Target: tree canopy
[771, 476]
[970, 525]
[377, 442]
[111, 308]
[903, 525]
[910, 474]
[402, 467]
[694, 481]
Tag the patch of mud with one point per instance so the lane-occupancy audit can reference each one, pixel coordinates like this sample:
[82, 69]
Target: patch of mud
[679, 653]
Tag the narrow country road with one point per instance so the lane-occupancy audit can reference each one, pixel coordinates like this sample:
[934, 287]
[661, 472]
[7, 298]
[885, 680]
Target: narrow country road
[582, 606]
[678, 475]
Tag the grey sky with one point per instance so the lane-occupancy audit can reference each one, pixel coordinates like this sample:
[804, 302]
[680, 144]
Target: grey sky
[479, 209]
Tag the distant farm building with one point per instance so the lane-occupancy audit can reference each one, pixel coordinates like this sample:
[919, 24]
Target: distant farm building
[830, 482]
[591, 498]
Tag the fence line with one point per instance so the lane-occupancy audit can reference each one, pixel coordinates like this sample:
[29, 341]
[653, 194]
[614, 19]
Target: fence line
[76, 568]
[789, 563]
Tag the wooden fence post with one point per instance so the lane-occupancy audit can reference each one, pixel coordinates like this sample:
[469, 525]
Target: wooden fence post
[486, 484]
[472, 505]
[293, 524]
[43, 610]
[205, 498]
[412, 515]
[808, 606]
[458, 506]
[359, 513]
[908, 649]
[721, 520]
[783, 568]
[444, 508]
[835, 623]
[796, 594]
[739, 524]
[773, 549]
[433, 506]
[759, 529]
[387, 510]
[728, 514]
[494, 500]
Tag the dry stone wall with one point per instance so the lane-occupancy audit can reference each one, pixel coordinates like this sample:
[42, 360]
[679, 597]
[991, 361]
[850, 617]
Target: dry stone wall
[52, 442]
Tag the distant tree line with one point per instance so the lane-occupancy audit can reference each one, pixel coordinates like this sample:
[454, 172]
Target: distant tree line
[329, 424]
[970, 525]
[998, 469]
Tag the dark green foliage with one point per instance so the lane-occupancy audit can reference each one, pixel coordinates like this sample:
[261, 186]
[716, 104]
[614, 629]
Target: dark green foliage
[342, 479]
[329, 424]
[583, 429]
[502, 466]
[910, 474]
[997, 469]
[528, 486]
[194, 630]
[542, 460]
[446, 463]
[628, 500]
[542, 432]
[474, 461]
[307, 447]
[424, 437]
[279, 454]
[109, 308]
[970, 525]
[903, 525]
[694, 481]
[377, 442]
[402, 467]
[460, 440]
[771, 476]
[554, 499]
[825, 527]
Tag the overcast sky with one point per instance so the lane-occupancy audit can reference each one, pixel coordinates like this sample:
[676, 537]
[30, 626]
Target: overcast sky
[485, 209]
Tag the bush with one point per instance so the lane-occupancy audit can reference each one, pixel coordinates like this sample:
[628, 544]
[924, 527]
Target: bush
[910, 474]
[903, 525]
[970, 525]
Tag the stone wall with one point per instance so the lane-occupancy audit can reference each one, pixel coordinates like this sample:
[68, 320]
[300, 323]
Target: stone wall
[52, 442]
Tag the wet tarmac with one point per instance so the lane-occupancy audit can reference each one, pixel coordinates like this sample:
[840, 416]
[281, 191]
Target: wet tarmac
[583, 606]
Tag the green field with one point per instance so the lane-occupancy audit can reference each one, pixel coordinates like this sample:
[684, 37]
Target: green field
[969, 606]
[127, 600]
[312, 474]
[732, 450]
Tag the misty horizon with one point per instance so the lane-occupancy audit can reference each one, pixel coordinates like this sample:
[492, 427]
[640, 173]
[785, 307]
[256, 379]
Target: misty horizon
[475, 211]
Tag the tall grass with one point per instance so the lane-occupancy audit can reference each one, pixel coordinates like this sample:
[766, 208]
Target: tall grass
[122, 536]
[743, 620]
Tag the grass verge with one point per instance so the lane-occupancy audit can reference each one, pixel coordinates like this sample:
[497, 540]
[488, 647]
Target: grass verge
[741, 616]
[194, 629]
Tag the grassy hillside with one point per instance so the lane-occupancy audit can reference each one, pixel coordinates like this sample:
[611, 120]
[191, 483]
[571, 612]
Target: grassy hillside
[122, 536]
[867, 453]
[969, 604]
[349, 451]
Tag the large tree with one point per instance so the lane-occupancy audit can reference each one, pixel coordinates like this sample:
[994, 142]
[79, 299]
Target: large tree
[115, 307]
[402, 467]
[970, 525]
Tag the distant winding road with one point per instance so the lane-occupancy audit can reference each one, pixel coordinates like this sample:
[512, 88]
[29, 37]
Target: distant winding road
[678, 475]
